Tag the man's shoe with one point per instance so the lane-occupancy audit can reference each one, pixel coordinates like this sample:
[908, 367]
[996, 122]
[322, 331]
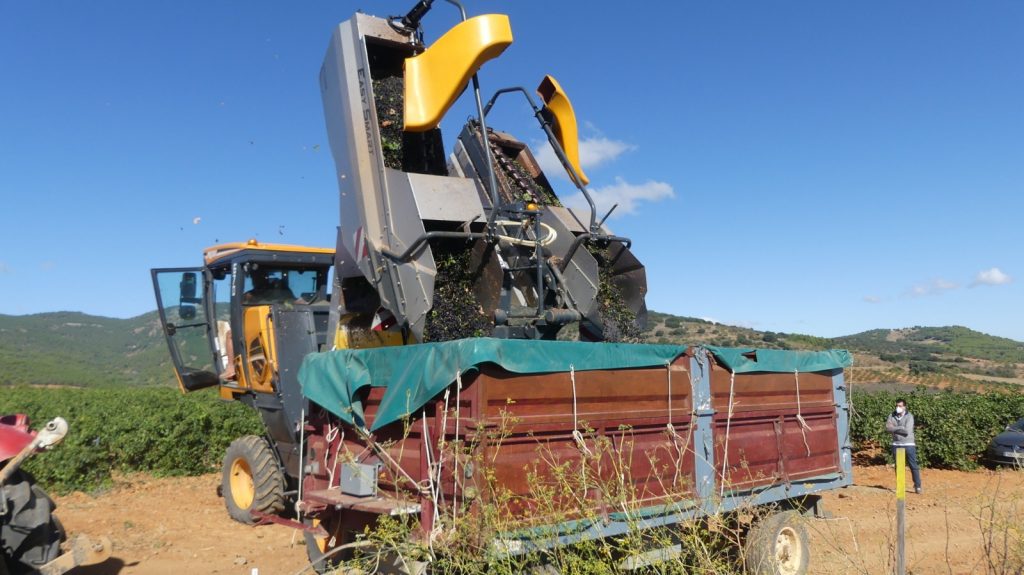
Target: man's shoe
[918, 490]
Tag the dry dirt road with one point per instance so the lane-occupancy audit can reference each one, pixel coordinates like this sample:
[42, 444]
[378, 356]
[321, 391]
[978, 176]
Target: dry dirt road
[178, 526]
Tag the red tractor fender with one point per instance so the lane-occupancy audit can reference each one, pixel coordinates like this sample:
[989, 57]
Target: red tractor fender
[14, 435]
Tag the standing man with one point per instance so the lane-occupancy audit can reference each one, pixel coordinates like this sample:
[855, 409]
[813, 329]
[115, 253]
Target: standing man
[901, 425]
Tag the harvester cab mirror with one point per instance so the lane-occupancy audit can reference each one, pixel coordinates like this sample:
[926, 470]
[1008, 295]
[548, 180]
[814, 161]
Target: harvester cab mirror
[188, 287]
[186, 307]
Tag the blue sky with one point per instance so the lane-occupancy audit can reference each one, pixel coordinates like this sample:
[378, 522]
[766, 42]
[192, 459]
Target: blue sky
[798, 166]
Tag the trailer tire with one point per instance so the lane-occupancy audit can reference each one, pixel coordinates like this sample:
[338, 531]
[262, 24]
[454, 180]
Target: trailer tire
[778, 545]
[30, 536]
[251, 479]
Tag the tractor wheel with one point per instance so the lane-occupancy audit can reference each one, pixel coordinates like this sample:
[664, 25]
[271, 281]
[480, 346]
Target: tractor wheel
[251, 479]
[30, 536]
[778, 545]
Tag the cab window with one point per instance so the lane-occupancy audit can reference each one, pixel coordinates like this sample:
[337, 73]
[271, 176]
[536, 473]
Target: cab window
[266, 284]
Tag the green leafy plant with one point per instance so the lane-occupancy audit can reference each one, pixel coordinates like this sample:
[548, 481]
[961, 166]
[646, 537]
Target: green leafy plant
[156, 430]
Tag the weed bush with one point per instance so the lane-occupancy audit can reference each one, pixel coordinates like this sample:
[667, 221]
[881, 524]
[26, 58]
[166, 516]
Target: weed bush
[953, 429]
[156, 430]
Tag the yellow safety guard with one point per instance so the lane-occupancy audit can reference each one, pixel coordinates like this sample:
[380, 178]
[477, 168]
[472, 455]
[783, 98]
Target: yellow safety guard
[436, 77]
[565, 128]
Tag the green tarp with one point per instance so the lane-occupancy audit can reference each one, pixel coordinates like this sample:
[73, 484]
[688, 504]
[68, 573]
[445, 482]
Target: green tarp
[414, 374]
[748, 360]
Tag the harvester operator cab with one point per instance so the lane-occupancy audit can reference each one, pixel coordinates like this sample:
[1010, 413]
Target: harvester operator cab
[266, 285]
[245, 320]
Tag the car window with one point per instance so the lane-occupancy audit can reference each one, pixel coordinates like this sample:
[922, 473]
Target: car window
[1017, 426]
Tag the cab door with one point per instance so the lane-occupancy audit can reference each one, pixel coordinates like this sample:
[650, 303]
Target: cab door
[185, 324]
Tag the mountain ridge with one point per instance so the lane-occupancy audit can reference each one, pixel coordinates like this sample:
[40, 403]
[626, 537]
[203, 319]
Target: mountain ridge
[79, 349]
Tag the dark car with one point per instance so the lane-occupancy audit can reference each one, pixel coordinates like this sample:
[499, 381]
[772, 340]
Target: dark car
[1007, 448]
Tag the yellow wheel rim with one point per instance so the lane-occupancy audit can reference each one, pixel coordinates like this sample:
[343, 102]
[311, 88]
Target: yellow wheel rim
[242, 489]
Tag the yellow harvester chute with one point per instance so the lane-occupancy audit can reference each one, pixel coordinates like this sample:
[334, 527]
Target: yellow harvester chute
[436, 77]
[565, 128]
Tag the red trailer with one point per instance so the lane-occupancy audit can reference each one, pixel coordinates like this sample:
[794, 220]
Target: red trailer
[618, 438]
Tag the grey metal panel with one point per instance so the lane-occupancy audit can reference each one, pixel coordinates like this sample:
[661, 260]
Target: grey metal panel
[351, 132]
[630, 277]
[460, 158]
[296, 334]
[372, 215]
[843, 423]
[566, 218]
[445, 198]
[411, 292]
[470, 154]
[704, 442]
[580, 273]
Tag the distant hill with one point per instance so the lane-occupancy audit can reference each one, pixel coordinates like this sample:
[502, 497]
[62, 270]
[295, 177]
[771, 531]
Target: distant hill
[926, 343]
[931, 356]
[69, 348]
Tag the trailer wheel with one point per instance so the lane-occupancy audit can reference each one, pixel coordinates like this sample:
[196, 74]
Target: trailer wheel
[251, 479]
[778, 545]
[317, 547]
[343, 529]
[30, 536]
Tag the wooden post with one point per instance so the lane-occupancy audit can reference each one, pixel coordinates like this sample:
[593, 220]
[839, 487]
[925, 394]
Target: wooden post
[901, 495]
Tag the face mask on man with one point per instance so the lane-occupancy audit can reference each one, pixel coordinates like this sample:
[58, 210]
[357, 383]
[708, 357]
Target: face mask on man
[899, 410]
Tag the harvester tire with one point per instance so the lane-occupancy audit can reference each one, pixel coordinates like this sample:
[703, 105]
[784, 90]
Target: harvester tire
[30, 536]
[251, 479]
[778, 545]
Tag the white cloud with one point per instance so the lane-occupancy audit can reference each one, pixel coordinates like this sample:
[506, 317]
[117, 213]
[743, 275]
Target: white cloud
[196, 220]
[628, 197]
[872, 299]
[936, 287]
[991, 277]
[593, 153]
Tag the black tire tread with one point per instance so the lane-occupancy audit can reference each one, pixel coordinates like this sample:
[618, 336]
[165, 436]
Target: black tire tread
[759, 548]
[268, 481]
[30, 536]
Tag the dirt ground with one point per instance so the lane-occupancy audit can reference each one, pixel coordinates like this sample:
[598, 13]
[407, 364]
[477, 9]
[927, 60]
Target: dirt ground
[947, 526]
[179, 525]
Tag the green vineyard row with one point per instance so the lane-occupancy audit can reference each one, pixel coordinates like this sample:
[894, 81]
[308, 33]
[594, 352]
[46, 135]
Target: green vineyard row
[160, 431]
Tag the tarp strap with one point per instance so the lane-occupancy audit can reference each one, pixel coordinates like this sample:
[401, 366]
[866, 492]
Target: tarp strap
[728, 424]
[799, 415]
[332, 433]
[442, 442]
[576, 433]
[458, 448]
[434, 488]
[673, 434]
